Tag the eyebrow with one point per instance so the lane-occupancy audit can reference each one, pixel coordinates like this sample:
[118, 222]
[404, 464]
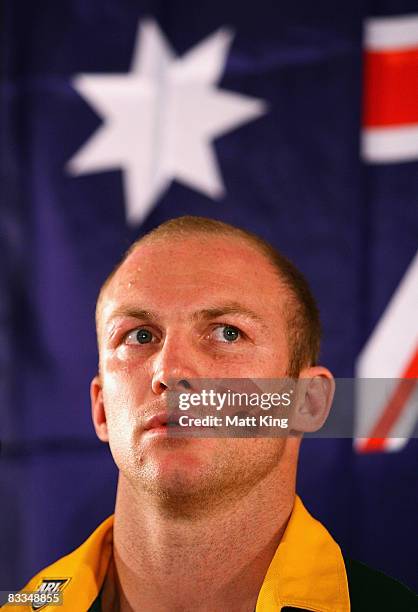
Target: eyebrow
[229, 308]
[135, 313]
[225, 309]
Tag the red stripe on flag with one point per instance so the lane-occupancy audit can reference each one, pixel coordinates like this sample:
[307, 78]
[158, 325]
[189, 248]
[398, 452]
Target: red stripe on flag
[393, 409]
[391, 88]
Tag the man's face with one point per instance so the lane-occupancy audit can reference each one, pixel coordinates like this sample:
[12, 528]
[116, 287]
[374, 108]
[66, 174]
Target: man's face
[196, 307]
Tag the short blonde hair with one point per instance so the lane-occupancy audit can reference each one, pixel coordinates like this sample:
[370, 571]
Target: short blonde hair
[302, 315]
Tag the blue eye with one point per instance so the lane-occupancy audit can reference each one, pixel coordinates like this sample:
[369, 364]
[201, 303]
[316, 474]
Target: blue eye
[139, 336]
[143, 336]
[227, 333]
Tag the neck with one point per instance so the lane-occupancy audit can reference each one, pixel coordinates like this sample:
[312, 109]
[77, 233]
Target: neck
[213, 561]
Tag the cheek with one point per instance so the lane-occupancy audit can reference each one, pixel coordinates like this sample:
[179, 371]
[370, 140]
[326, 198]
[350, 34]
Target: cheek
[274, 360]
[120, 406]
[125, 373]
[125, 390]
[118, 361]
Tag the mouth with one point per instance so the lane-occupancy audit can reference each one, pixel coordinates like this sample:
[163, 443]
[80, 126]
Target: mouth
[162, 422]
[168, 424]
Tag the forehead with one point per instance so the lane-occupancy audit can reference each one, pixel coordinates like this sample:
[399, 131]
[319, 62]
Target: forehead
[175, 273]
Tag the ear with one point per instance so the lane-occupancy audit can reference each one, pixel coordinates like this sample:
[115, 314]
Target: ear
[315, 394]
[97, 409]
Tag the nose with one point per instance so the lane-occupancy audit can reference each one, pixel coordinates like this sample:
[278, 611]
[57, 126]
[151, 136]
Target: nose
[174, 367]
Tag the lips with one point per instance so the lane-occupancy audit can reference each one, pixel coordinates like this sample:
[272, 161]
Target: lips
[161, 420]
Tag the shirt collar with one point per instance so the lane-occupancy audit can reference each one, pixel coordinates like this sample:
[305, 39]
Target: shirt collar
[84, 571]
[307, 570]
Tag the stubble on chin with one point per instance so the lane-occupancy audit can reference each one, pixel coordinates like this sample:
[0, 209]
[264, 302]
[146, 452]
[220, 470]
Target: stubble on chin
[181, 493]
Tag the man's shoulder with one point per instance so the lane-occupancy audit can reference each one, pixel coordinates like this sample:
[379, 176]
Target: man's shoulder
[80, 574]
[371, 589]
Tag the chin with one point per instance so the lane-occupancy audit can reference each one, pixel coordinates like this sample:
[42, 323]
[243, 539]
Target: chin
[178, 493]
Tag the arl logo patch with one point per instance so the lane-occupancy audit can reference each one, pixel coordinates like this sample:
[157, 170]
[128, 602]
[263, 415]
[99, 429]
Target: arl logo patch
[49, 587]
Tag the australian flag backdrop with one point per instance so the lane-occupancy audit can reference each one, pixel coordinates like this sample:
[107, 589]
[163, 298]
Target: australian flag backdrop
[297, 120]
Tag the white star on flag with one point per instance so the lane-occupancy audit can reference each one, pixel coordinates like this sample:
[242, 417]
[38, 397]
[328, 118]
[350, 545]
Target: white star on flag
[160, 119]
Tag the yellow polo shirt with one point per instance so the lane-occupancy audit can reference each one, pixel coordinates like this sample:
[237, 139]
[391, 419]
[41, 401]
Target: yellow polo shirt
[307, 571]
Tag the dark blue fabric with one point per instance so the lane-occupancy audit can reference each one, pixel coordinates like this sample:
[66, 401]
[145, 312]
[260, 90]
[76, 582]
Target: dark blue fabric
[294, 176]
